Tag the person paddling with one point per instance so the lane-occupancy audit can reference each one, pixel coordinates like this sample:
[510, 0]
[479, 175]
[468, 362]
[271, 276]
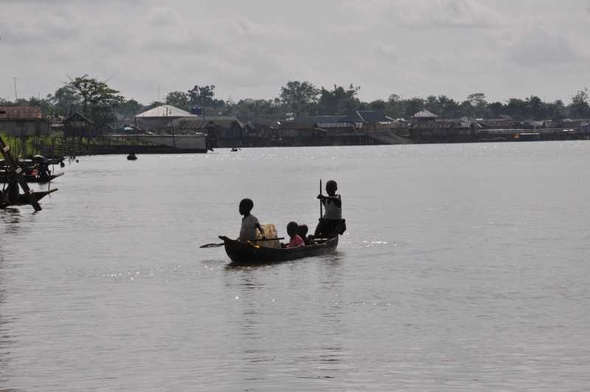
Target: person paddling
[331, 224]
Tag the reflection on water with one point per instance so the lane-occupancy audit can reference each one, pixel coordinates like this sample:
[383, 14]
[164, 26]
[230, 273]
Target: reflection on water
[10, 219]
[268, 318]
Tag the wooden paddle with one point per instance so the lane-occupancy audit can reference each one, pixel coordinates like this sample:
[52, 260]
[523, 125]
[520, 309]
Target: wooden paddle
[215, 245]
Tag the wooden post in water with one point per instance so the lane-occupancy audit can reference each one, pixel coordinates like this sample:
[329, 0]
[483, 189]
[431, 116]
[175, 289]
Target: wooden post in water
[18, 173]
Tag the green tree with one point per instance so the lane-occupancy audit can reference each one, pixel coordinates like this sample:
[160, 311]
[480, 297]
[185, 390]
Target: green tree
[449, 108]
[204, 97]
[478, 104]
[339, 100]
[378, 105]
[495, 109]
[536, 108]
[579, 108]
[556, 110]
[517, 108]
[95, 93]
[98, 100]
[442, 106]
[299, 97]
[467, 109]
[178, 99]
[394, 106]
[412, 106]
[65, 101]
[432, 104]
[130, 108]
[255, 109]
[45, 104]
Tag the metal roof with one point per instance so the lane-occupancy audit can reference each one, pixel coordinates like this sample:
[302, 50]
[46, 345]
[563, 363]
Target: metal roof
[165, 111]
[20, 112]
[424, 114]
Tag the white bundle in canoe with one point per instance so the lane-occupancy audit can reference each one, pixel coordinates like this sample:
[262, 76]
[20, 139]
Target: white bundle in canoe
[270, 231]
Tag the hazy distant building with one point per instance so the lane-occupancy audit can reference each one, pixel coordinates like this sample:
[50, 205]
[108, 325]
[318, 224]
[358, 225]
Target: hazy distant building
[424, 115]
[22, 121]
[160, 119]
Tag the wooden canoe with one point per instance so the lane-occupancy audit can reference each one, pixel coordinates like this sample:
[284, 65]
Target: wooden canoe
[23, 199]
[41, 179]
[248, 253]
[32, 177]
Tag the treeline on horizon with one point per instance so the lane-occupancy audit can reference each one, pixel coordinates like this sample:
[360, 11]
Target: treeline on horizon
[101, 103]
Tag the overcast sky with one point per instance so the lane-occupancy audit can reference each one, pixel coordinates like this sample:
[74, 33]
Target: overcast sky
[251, 48]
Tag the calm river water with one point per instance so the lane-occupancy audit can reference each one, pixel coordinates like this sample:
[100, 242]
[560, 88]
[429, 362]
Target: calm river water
[465, 268]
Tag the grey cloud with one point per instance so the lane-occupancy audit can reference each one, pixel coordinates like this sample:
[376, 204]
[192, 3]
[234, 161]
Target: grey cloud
[54, 3]
[456, 13]
[541, 48]
[36, 31]
[427, 14]
[163, 17]
[189, 46]
[385, 52]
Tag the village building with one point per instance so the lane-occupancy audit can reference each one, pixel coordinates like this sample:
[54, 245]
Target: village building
[23, 121]
[356, 128]
[424, 116]
[160, 119]
[78, 125]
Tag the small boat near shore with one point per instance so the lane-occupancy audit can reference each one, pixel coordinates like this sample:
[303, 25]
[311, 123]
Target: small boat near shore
[33, 176]
[249, 253]
[527, 136]
[24, 199]
[34, 169]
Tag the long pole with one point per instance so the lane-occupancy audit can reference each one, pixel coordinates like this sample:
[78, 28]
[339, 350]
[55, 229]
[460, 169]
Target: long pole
[321, 204]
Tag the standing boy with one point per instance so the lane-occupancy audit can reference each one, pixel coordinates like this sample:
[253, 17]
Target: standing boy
[331, 224]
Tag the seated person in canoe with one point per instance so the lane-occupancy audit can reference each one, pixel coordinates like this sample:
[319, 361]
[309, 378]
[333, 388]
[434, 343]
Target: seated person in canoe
[11, 193]
[302, 231]
[249, 222]
[295, 240]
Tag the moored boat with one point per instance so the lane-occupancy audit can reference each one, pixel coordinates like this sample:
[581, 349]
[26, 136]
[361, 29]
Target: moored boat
[24, 199]
[527, 136]
[31, 176]
[249, 253]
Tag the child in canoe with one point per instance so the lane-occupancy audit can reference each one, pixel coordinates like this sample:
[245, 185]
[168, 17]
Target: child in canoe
[249, 222]
[331, 224]
[294, 239]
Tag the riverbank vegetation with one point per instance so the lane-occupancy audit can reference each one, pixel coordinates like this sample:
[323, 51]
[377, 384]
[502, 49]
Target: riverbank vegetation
[103, 104]
[59, 146]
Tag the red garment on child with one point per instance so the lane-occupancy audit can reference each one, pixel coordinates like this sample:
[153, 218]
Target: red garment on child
[296, 241]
